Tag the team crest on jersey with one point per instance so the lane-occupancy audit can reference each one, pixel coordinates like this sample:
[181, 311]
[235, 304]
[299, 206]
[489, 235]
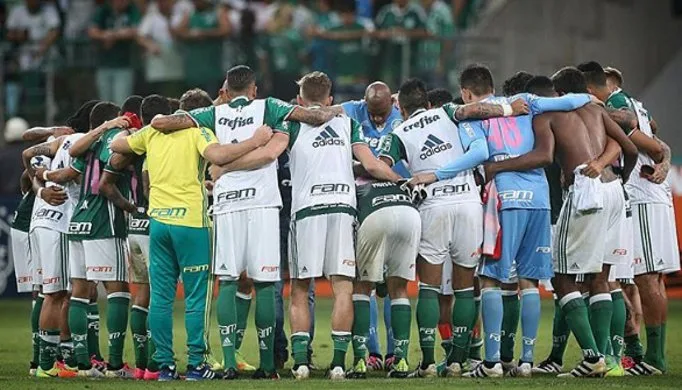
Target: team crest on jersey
[395, 123]
[328, 137]
[433, 145]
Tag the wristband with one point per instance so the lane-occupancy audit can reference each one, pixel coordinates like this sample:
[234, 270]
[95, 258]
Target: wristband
[45, 176]
[40, 191]
[507, 109]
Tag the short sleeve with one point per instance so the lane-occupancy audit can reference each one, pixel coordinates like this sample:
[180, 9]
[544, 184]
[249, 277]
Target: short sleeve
[138, 141]
[451, 109]
[145, 167]
[350, 108]
[204, 117]
[15, 20]
[393, 148]
[276, 111]
[204, 137]
[78, 164]
[51, 20]
[356, 133]
[291, 129]
[146, 26]
[618, 101]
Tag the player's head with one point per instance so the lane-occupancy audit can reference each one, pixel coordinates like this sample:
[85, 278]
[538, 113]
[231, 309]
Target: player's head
[541, 86]
[132, 104]
[595, 78]
[614, 78]
[379, 103]
[240, 81]
[346, 11]
[458, 100]
[152, 106]
[516, 83]
[195, 98]
[174, 104]
[476, 83]
[427, 4]
[80, 120]
[102, 112]
[569, 80]
[412, 96]
[438, 97]
[401, 3]
[314, 89]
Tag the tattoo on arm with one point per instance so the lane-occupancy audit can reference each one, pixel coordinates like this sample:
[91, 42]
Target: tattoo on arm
[666, 151]
[625, 119]
[312, 117]
[169, 123]
[479, 111]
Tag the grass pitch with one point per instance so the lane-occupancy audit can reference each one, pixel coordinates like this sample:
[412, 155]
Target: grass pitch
[15, 352]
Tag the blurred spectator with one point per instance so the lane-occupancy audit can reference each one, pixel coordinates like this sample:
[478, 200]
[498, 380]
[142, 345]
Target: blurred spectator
[203, 31]
[114, 28]
[433, 52]
[320, 48]
[10, 157]
[164, 65]
[364, 9]
[400, 25]
[283, 54]
[79, 16]
[349, 53]
[32, 28]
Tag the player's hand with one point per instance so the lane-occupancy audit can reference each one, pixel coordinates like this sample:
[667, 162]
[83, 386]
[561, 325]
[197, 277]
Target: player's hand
[262, 135]
[596, 100]
[209, 185]
[489, 172]
[39, 172]
[592, 170]
[120, 122]
[422, 178]
[660, 173]
[130, 208]
[215, 171]
[54, 195]
[519, 107]
[62, 130]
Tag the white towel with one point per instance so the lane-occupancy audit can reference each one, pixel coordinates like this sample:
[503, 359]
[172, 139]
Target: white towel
[492, 232]
[587, 192]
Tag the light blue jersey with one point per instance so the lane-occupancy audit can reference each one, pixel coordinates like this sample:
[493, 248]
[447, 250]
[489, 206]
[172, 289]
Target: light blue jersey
[510, 137]
[357, 109]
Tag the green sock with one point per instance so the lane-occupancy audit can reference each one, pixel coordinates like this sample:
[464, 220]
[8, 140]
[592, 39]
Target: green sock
[560, 333]
[93, 331]
[66, 350]
[601, 311]
[618, 323]
[78, 324]
[653, 353]
[35, 328]
[227, 321]
[138, 327]
[475, 341]
[152, 365]
[360, 326]
[427, 321]
[510, 323]
[665, 364]
[573, 307]
[401, 322]
[465, 309]
[634, 347]
[243, 304]
[447, 347]
[265, 324]
[341, 340]
[118, 306]
[49, 343]
[299, 347]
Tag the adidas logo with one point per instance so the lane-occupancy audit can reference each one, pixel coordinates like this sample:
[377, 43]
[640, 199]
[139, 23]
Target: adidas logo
[227, 342]
[304, 270]
[364, 273]
[660, 262]
[262, 346]
[234, 141]
[433, 145]
[575, 266]
[328, 137]
[223, 267]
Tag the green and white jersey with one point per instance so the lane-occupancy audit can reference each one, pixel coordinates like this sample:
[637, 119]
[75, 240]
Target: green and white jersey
[22, 215]
[640, 189]
[57, 217]
[376, 196]
[138, 222]
[321, 163]
[427, 141]
[439, 23]
[95, 216]
[236, 122]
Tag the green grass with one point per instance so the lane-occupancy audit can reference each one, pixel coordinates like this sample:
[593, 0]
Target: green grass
[15, 352]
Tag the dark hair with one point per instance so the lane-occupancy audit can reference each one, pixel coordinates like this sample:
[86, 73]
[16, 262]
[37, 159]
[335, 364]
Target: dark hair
[594, 73]
[174, 104]
[102, 112]
[239, 78]
[569, 80]
[346, 7]
[438, 97]
[458, 100]
[477, 78]
[515, 84]
[412, 95]
[195, 98]
[315, 87]
[153, 105]
[540, 85]
[132, 104]
[80, 120]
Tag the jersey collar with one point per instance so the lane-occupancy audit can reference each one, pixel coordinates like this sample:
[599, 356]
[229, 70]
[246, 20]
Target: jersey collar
[614, 93]
[419, 111]
[239, 98]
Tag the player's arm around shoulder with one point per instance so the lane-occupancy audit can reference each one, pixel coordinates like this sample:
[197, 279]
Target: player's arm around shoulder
[375, 167]
[482, 110]
[218, 154]
[255, 159]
